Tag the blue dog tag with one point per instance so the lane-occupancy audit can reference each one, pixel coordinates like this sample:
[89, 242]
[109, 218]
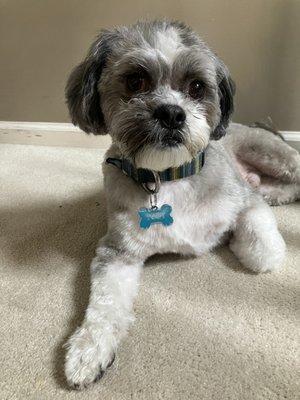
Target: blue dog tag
[155, 215]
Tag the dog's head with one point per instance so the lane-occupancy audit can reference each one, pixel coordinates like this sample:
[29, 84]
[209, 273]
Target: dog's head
[156, 88]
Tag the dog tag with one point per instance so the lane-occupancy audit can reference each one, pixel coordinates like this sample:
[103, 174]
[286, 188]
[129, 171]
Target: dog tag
[155, 215]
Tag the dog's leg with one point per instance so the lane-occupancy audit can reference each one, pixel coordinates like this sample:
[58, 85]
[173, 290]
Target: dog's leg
[276, 192]
[256, 241]
[265, 152]
[114, 283]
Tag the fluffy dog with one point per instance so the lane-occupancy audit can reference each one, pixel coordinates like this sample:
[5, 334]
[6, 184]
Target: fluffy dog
[165, 98]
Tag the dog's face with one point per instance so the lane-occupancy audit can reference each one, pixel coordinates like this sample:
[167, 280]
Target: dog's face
[157, 89]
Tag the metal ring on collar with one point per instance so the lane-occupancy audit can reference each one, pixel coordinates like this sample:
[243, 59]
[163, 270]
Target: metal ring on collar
[157, 184]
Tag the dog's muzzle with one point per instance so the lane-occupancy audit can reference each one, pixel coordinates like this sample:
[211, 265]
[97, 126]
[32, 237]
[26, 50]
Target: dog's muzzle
[171, 117]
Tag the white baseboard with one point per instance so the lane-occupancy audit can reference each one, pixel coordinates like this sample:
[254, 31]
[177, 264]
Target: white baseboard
[37, 126]
[67, 135]
[49, 134]
[292, 138]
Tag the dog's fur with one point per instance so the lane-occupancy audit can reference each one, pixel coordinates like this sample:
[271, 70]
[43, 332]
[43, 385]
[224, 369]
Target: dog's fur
[206, 207]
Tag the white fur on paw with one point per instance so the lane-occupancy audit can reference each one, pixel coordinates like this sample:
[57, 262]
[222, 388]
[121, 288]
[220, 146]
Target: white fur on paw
[259, 256]
[90, 352]
[257, 242]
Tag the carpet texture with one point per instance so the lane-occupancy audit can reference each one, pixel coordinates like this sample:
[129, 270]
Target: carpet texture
[205, 328]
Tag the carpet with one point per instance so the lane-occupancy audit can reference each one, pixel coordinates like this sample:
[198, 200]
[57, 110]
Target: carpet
[205, 328]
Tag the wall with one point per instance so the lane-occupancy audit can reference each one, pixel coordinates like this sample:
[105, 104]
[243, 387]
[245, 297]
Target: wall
[41, 40]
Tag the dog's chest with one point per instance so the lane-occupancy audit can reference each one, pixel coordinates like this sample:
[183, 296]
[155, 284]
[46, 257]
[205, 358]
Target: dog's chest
[199, 220]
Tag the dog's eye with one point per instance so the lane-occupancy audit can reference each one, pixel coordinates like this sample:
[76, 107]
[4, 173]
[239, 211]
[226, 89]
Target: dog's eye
[196, 89]
[137, 82]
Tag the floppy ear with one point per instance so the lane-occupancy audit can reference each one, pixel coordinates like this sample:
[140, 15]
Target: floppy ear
[226, 93]
[83, 97]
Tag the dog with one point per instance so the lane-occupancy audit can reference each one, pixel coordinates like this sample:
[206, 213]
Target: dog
[178, 177]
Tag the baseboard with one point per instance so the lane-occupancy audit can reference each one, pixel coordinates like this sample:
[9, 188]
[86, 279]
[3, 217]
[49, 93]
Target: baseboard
[292, 138]
[49, 134]
[67, 135]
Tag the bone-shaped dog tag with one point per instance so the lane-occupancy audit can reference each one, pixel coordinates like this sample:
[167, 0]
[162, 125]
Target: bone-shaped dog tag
[155, 215]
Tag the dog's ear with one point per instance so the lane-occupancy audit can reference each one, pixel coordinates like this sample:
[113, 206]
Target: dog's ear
[83, 97]
[226, 90]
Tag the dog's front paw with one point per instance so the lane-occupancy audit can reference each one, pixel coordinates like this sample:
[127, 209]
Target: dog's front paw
[90, 352]
[260, 256]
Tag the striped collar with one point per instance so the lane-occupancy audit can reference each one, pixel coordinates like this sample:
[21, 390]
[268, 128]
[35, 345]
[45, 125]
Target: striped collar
[144, 176]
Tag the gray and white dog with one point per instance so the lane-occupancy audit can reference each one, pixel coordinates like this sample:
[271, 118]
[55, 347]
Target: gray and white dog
[165, 97]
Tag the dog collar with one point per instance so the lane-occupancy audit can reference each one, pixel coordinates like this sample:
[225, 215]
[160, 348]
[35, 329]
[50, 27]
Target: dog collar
[144, 176]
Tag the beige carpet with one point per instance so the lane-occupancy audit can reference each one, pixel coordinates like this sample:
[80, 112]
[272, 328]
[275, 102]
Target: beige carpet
[205, 328]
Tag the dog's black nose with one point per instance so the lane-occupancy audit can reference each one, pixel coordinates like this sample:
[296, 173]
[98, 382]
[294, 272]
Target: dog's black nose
[170, 116]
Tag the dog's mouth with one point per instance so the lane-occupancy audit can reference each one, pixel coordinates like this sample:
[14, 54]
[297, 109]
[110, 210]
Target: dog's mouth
[151, 140]
[172, 139]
